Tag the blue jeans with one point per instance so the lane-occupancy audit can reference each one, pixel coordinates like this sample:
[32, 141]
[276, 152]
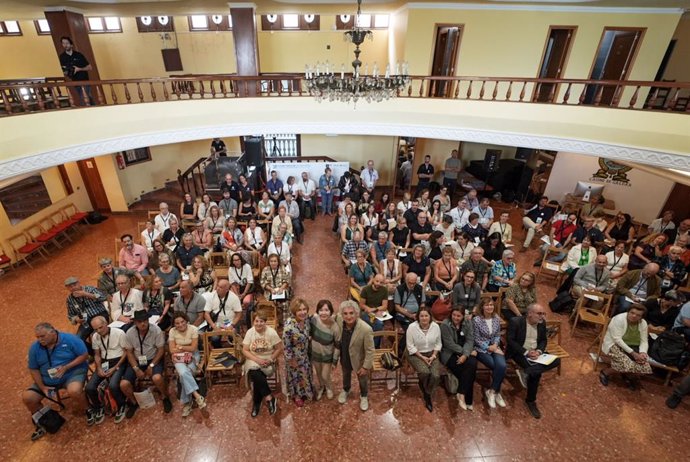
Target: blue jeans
[114, 385]
[327, 201]
[185, 374]
[497, 364]
[376, 326]
[623, 305]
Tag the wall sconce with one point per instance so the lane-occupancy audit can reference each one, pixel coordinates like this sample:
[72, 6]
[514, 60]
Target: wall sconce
[217, 19]
[146, 20]
[163, 20]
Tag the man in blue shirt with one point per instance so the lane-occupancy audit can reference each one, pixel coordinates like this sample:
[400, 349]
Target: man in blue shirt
[56, 360]
[275, 188]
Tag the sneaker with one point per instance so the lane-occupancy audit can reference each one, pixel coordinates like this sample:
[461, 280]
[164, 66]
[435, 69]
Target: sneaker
[299, 402]
[273, 406]
[38, 433]
[461, 402]
[491, 398]
[499, 400]
[100, 416]
[673, 401]
[363, 403]
[187, 409]
[342, 397]
[201, 402]
[120, 414]
[533, 409]
[131, 410]
[329, 393]
[470, 407]
[522, 377]
[319, 393]
[90, 417]
[167, 405]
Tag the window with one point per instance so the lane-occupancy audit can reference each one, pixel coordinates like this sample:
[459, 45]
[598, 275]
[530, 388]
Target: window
[155, 24]
[10, 28]
[366, 21]
[103, 25]
[212, 22]
[271, 22]
[42, 26]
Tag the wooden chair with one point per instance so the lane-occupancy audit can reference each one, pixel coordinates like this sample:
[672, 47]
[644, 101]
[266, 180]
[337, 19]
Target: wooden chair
[62, 225]
[269, 310]
[389, 338]
[118, 247]
[151, 214]
[141, 226]
[48, 226]
[497, 297]
[74, 216]
[549, 268]
[219, 263]
[553, 345]
[24, 248]
[37, 234]
[215, 371]
[598, 314]
[5, 261]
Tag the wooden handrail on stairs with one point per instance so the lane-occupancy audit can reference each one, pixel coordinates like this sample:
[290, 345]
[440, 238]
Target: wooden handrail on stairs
[192, 180]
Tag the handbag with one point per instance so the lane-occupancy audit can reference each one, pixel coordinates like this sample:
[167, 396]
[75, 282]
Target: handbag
[390, 362]
[46, 417]
[184, 357]
[441, 308]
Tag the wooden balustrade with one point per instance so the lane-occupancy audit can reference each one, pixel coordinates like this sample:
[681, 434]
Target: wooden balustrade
[38, 95]
[192, 180]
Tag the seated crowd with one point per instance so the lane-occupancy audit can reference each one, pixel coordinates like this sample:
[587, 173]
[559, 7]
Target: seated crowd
[444, 275]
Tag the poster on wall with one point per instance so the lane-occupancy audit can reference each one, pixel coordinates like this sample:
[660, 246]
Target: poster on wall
[314, 169]
[611, 172]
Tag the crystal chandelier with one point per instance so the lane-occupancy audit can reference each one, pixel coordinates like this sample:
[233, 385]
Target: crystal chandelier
[323, 83]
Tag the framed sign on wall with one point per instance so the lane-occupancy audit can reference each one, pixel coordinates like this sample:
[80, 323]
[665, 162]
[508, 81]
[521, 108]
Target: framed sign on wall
[136, 156]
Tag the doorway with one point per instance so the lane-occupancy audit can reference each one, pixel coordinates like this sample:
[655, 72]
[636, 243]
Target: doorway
[445, 59]
[556, 51]
[614, 58]
[677, 201]
[94, 185]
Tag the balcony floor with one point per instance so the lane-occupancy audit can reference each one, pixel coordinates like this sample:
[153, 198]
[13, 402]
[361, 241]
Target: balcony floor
[581, 419]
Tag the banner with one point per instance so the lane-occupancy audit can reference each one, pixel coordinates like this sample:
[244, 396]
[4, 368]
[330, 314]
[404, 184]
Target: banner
[314, 169]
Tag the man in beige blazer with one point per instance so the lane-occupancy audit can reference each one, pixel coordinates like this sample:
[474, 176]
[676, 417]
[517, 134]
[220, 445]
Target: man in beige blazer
[356, 344]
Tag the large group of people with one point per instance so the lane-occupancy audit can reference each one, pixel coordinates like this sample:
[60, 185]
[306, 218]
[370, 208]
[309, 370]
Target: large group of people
[444, 274]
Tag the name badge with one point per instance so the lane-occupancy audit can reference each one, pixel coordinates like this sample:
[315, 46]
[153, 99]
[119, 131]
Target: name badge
[467, 295]
[539, 220]
[477, 240]
[143, 360]
[105, 366]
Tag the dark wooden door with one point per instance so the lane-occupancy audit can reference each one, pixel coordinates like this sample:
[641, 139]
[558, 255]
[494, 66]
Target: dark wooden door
[445, 57]
[612, 62]
[554, 59]
[94, 185]
[678, 201]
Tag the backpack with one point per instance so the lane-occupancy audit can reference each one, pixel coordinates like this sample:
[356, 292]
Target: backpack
[563, 303]
[668, 348]
[390, 362]
[106, 398]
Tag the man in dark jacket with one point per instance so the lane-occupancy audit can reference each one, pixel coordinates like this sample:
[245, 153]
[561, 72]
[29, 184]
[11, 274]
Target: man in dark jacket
[526, 343]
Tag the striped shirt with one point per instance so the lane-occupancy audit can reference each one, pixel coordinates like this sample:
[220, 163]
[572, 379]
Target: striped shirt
[322, 340]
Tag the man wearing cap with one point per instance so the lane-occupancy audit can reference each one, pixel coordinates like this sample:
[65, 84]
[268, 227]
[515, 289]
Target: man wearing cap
[144, 346]
[126, 301]
[133, 256]
[292, 210]
[83, 304]
[106, 281]
[56, 360]
[190, 303]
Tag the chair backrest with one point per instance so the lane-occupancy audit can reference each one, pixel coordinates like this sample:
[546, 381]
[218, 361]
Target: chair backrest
[269, 310]
[17, 242]
[57, 217]
[389, 338]
[69, 210]
[151, 214]
[235, 346]
[33, 231]
[141, 226]
[218, 260]
[497, 297]
[603, 301]
[46, 224]
[118, 247]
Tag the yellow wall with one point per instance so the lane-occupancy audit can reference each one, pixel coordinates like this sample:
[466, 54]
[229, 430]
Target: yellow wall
[357, 150]
[58, 197]
[29, 55]
[510, 43]
[107, 169]
[290, 51]
[678, 67]
[397, 35]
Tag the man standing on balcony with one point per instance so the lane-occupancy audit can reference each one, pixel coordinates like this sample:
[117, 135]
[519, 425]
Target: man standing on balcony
[306, 189]
[369, 178]
[76, 67]
[425, 173]
[450, 172]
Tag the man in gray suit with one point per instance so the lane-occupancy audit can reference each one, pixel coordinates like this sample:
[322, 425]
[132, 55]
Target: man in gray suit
[594, 276]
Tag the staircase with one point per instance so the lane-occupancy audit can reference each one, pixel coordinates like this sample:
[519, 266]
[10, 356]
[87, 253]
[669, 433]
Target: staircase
[24, 198]
[171, 193]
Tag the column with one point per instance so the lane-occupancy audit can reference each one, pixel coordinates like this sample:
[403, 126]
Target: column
[246, 44]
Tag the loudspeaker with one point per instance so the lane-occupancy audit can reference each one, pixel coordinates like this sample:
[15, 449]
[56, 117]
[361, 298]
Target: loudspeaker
[252, 151]
[491, 159]
[524, 153]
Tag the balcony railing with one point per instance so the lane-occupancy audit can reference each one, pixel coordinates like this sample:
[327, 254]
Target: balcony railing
[38, 95]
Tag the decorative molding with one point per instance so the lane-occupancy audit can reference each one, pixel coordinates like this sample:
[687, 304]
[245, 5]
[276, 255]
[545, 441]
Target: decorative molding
[42, 161]
[552, 8]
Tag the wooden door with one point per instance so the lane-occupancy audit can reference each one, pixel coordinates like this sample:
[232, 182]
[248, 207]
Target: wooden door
[553, 61]
[94, 185]
[613, 61]
[445, 58]
[678, 202]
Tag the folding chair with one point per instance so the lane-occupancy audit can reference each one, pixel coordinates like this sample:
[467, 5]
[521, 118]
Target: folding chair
[549, 268]
[24, 248]
[37, 234]
[219, 263]
[389, 344]
[269, 310]
[216, 371]
[597, 314]
[5, 261]
[553, 344]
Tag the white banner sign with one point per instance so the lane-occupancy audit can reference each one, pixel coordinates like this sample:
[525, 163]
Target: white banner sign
[314, 169]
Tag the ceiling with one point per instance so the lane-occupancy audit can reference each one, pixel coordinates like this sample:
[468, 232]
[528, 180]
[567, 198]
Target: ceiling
[32, 9]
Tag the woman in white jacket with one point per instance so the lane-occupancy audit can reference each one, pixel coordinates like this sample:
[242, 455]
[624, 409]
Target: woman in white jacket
[580, 255]
[626, 344]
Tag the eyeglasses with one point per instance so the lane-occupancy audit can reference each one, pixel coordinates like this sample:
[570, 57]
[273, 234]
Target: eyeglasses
[540, 313]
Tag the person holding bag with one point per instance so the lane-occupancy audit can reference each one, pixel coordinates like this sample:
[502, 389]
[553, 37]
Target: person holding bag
[183, 342]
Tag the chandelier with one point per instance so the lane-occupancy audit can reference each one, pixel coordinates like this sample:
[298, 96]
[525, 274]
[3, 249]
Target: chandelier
[323, 83]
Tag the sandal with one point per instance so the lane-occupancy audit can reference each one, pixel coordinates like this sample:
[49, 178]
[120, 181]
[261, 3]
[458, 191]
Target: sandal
[604, 379]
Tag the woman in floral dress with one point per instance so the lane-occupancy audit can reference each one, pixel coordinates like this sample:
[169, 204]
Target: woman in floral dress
[297, 364]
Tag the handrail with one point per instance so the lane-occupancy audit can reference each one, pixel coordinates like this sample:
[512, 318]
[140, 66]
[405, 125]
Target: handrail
[184, 178]
[28, 96]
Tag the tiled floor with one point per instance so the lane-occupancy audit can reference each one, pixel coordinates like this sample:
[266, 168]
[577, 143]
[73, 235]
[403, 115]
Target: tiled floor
[582, 419]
